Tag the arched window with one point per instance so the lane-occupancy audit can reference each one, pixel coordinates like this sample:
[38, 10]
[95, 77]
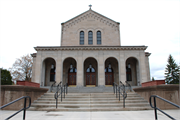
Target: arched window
[72, 70]
[52, 74]
[128, 74]
[98, 37]
[90, 70]
[108, 70]
[82, 38]
[90, 37]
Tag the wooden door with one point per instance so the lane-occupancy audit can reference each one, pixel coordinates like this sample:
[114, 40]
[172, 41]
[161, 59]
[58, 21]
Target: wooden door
[71, 78]
[109, 78]
[90, 78]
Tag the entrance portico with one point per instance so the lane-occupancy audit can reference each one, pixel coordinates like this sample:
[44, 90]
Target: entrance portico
[99, 69]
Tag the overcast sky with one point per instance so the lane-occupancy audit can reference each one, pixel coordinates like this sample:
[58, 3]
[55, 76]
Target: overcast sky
[29, 23]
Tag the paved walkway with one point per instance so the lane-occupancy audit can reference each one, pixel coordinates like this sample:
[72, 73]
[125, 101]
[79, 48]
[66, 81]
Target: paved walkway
[119, 115]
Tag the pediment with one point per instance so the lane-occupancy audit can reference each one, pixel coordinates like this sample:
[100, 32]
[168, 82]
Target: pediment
[91, 15]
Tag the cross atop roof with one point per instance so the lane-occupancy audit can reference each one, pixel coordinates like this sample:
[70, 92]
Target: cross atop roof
[90, 6]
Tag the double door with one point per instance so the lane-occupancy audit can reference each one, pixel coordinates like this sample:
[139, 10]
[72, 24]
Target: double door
[109, 78]
[90, 78]
[72, 79]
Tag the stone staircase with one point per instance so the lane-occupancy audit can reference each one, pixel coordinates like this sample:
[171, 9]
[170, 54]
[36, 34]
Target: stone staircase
[90, 102]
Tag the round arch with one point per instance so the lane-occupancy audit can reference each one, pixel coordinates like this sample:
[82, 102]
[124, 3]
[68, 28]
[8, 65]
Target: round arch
[111, 69]
[90, 71]
[48, 71]
[69, 71]
[132, 71]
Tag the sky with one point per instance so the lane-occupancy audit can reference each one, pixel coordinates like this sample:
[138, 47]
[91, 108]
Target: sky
[25, 24]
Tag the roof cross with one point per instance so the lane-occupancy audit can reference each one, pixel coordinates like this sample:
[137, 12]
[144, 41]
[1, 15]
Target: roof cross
[90, 6]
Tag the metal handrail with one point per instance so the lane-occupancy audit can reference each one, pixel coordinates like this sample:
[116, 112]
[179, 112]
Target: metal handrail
[128, 85]
[121, 84]
[60, 92]
[122, 87]
[59, 85]
[118, 88]
[23, 109]
[156, 108]
[53, 85]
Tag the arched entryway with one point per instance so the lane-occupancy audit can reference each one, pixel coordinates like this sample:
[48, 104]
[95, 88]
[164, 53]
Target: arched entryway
[132, 71]
[90, 72]
[72, 76]
[49, 72]
[69, 71]
[90, 76]
[111, 71]
[109, 76]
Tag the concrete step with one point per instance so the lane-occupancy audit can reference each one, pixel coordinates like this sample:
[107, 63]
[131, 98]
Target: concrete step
[90, 99]
[102, 89]
[107, 96]
[90, 102]
[90, 105]
[90, 109]
[87, 96]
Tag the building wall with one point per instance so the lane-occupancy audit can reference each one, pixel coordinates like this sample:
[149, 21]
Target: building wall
[100, 55]
[10, 93]
[90, 21]
[168, 92]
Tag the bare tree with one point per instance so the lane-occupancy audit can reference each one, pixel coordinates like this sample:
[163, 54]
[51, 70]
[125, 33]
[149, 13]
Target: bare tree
[22, 68]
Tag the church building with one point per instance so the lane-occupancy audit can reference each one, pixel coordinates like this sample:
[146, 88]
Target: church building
[90, 54]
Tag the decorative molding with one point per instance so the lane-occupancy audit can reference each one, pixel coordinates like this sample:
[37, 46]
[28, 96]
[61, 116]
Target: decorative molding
[91, 14]
[147, 54]
[34, 54]
[60, 48]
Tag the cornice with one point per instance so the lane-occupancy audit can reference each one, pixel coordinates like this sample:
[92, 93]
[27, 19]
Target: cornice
[61, 48]
[147, 54]
[33, 55]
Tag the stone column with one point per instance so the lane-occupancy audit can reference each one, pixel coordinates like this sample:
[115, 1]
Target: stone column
[33, 69]
[147, 68]
[101, 74]
[59, 68]
[80, 71]
[142, 67]
[38, 75]
[122, 68]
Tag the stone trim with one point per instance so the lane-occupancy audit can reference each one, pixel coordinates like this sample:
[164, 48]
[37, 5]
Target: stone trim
[92, 14]
[22, 88]
[33, 55]
[157, 87]
[147, 54]
[56, 48]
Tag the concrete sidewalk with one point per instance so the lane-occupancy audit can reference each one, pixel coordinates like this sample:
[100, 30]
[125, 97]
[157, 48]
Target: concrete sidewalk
[118, 115]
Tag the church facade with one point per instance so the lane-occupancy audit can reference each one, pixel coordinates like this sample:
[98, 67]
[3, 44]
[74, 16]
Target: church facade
[90, 55]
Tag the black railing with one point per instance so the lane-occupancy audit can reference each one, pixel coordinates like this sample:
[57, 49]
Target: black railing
[156, 108]
[52, 86]
[23, 109]
[121, 90]
[60, 90]
[128, 86]
[58, 86]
